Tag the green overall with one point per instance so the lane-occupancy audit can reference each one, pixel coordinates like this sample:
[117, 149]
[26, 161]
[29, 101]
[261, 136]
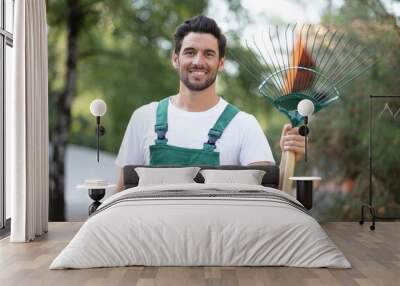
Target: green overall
[162, 154]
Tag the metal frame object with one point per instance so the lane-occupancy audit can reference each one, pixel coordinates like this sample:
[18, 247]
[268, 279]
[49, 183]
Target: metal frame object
[288, 104]
[295, 62]
[369, 205]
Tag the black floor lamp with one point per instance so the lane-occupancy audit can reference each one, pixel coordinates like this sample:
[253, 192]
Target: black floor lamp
[370, 205]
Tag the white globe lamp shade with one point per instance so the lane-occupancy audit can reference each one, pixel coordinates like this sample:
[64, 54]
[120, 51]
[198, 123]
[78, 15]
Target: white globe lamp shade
[98, 107]
[305, 107]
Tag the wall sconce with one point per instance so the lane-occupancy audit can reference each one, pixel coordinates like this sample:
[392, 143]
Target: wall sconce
[98, 108]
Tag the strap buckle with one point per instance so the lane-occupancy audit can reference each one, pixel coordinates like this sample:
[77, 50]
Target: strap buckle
[213, 136]
[214, 133]
[212, 140]
[161, 130]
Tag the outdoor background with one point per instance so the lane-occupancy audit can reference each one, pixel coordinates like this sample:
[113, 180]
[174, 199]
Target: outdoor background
[119, 51]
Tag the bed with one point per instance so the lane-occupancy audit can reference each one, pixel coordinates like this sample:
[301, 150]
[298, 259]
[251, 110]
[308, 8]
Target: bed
[201, 224]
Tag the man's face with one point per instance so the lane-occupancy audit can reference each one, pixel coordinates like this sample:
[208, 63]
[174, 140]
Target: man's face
[198, 61]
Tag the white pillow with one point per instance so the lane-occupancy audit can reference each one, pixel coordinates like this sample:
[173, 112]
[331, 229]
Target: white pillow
[163, 176]
[248, 177]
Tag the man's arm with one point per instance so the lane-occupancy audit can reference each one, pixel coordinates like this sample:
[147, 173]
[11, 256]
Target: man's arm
[255, 139]
[254, 149]
[132, 145]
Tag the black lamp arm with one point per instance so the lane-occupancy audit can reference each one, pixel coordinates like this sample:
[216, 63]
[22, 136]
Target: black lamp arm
[100, 131]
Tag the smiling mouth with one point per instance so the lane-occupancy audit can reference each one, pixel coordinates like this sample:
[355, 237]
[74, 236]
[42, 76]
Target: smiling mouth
[198, 72]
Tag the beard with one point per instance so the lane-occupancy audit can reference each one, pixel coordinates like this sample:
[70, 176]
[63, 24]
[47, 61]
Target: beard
[184, 77]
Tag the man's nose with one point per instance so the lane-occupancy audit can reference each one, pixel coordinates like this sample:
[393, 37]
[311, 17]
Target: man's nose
[198, 59]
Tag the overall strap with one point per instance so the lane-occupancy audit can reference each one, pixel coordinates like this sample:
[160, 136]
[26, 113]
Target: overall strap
[161, 126]
[216, 131]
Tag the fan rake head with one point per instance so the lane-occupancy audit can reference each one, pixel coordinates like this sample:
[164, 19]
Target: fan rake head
[295, 62]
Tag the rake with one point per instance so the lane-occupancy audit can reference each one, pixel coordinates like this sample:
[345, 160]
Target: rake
[296, 62]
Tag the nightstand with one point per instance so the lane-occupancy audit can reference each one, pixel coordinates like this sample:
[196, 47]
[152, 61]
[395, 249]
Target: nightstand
[96, 190]
[304, 190]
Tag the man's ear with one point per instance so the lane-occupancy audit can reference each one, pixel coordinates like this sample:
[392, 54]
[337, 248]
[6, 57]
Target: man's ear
[221, 64]
[175, 60]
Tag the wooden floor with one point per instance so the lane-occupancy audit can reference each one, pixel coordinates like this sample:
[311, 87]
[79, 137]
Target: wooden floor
[374, 255]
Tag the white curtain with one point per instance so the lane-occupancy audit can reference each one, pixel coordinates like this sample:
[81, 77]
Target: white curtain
[27, 124]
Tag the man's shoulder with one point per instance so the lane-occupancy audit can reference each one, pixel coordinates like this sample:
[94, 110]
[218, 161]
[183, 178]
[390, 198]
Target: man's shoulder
[144, 111]
[246, 119]
[242, 116]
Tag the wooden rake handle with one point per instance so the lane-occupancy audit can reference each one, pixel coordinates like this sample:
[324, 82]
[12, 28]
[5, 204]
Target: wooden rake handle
[288, 162]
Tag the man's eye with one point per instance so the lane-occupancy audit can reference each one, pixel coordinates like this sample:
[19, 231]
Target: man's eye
[189, 53]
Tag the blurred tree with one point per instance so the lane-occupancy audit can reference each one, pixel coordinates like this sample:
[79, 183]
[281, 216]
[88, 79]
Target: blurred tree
[119, 51]
[114, 50]
[60, 102]
[339, 138]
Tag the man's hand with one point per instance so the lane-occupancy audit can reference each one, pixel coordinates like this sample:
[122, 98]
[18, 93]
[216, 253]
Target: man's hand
[292, 141]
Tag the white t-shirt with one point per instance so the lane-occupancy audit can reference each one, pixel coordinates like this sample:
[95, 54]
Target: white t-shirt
[242, 142]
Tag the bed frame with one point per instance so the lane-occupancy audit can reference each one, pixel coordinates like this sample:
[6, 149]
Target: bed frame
[270, 179]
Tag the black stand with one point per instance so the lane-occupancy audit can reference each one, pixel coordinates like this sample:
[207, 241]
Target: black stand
[304, 190]
[96, 195]
[370, 206]
[304, 193]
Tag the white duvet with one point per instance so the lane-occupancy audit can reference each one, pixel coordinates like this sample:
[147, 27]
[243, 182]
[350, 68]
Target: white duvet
[182, 231]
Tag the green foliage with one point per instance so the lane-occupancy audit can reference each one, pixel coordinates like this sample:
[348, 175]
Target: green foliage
[340, 135]
[125, 58]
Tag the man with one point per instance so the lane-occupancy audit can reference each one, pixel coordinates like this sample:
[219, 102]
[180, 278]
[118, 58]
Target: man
[196, 126]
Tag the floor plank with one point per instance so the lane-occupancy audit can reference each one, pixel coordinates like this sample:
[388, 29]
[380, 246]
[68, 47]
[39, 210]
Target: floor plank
[374, 255]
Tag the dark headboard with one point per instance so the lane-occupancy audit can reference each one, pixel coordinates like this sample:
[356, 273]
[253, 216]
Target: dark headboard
[270, 179]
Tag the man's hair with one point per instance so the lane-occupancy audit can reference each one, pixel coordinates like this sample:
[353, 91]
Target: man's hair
[200, 24]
